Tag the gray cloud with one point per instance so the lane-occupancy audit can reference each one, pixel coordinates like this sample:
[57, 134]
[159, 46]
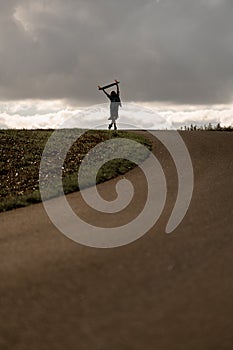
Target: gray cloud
[179, 51]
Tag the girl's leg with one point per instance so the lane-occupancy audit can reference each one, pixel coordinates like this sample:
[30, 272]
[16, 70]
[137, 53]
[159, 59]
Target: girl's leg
[109, 127]
[115, 127]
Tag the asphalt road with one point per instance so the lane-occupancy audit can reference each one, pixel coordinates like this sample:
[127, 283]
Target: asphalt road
[162, 292]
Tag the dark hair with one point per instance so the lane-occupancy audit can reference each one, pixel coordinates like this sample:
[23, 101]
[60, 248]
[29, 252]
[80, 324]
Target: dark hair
[113, 93]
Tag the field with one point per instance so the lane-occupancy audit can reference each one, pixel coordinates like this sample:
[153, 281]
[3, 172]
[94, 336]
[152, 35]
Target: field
[20, 156]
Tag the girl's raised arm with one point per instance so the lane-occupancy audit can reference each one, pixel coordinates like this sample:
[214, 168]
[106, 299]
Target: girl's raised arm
[107, 94]
[118, 90]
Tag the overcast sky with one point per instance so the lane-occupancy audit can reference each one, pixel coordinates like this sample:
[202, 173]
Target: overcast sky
[168, 50]
[165, 51]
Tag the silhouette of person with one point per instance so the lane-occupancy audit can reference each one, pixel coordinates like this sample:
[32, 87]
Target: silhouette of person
[114, 97]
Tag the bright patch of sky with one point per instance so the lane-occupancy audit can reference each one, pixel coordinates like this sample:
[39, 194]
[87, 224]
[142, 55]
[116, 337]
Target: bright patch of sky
[52, 114]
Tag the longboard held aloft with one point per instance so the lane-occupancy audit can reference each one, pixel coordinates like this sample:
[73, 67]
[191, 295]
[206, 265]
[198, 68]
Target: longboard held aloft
[108, 86]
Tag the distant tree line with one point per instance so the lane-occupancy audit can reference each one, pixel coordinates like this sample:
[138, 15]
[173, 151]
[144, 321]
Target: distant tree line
[209, 127]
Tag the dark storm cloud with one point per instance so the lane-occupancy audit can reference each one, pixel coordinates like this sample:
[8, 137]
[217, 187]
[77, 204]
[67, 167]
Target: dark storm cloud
[167, 50]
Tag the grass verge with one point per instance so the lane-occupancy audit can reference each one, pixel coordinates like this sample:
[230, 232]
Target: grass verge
[20, 156]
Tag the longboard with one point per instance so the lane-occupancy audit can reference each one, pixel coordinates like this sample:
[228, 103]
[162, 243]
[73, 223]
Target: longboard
[108, 86]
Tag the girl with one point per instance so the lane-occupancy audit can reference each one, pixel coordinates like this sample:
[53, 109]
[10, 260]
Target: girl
[114, 97]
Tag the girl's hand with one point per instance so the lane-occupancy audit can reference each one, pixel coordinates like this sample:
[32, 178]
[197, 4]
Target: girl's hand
[117, 82]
